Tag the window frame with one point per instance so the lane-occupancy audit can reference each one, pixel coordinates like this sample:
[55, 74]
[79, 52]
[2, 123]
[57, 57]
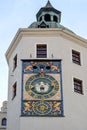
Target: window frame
[76, 57]
[41, 50]
[78, 85]
[4, 121]
[14, 90]
[15, 62]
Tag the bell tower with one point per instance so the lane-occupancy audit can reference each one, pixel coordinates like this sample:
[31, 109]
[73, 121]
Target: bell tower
[48, 17]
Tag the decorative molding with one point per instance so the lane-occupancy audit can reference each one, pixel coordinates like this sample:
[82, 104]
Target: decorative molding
[27, 32]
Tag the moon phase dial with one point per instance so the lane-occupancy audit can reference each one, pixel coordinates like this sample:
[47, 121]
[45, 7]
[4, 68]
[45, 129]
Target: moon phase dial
[41, 86]
[42, 108]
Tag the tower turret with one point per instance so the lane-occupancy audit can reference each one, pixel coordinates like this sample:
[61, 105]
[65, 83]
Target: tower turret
[47, 17]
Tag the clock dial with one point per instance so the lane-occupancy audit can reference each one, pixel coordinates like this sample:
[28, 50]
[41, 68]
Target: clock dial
[41, 87]
[42, 107]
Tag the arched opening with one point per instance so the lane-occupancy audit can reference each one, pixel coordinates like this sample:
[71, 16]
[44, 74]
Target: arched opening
[55, 18]
[4, 122]
[47, 17]
[40, 18]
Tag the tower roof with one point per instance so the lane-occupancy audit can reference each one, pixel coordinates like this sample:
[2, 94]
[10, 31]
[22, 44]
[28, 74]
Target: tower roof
[48, 5]
[48, 8]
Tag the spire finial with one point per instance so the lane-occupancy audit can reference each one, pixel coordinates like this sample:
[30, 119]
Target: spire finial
[48, 5]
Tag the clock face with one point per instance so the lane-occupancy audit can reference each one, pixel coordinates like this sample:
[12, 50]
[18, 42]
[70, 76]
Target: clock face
[41, 87]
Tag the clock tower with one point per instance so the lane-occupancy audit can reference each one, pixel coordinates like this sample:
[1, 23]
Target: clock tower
[42, 77]
[47, 76]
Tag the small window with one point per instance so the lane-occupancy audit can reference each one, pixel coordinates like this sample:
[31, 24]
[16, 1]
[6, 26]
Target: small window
[78, 86]
[76, 57]
[14, 90]
[43, 25]
[4, 121]
[15, 62]
[41, 51]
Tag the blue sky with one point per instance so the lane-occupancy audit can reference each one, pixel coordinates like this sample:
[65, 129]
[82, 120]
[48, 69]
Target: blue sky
[16, 14]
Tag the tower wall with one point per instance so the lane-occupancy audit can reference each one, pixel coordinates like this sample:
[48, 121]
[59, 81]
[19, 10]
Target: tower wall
[59, 47]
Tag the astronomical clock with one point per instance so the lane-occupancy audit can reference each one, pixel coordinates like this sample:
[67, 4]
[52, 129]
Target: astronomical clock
[42, 88]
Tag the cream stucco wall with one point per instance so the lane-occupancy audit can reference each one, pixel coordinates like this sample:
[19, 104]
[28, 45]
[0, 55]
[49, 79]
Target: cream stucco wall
[75, 105]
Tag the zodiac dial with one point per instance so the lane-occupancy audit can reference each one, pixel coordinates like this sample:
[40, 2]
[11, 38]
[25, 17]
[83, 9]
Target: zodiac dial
[41, 87]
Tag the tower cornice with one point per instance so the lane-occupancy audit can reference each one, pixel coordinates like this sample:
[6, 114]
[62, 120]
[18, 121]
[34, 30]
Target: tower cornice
[52, 32]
